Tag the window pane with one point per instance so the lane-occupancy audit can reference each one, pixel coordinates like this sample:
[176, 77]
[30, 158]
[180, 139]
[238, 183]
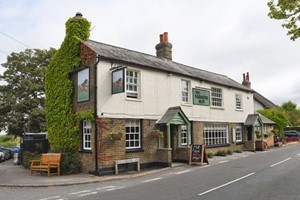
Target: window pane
[133, 134]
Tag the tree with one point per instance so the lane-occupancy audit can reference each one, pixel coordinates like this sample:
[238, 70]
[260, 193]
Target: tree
[289, 11]
[23, 95]
[292, 112]
[279, 116]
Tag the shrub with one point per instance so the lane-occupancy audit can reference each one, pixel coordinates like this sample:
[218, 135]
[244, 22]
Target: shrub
[229, 152]
[27, 156]
[238, 151]
[210, 155]
[70, 163]
[221, 153]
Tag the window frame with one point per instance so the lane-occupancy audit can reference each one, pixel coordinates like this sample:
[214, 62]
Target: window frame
[86, 131]
[130, 129]
[216, 97]
[136, 93]
[239, 133]
[212, 135]
[238, 101]
[183, 139]
[185, 89]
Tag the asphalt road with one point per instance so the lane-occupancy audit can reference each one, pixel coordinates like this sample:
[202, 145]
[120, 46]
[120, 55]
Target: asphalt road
[266, 175]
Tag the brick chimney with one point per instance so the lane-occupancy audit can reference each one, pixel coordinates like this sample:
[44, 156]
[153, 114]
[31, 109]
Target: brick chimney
[246, 81]
[164, 47]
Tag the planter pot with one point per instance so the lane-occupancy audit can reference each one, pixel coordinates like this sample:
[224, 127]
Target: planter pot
[156, 134]
[117, 136]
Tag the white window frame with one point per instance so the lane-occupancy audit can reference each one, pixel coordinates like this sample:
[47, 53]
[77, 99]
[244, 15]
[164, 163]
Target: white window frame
[216, 134]
[185, 91]
[87, 135]
[133, 134]
[238, 133]
[216, 97]
[183, 135]
[133, 78]
[238, 102]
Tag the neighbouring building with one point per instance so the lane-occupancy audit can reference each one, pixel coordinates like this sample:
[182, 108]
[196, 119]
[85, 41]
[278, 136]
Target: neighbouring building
[137, 94]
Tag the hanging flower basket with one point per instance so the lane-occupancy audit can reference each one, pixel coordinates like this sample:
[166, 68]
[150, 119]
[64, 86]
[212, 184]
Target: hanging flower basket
[116, 135]
[157, 134]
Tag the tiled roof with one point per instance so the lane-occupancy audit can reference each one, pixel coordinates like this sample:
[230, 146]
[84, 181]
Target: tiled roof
[251, 119]
[264, 101]
[127, 56]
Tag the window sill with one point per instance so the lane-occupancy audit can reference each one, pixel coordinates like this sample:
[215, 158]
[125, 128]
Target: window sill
[85, 151]
[218, 145]
[133, 99]
[217, 108]
[186, 104]
[239, 110]
[134, 150]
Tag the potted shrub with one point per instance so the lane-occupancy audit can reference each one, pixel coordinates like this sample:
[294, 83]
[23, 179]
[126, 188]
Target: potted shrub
[116, 135]
[157, 134]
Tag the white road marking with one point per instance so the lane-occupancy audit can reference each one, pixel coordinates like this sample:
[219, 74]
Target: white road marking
[86, 194]
[150, 180]
[79, 192]
[182, 172]
[114, 188]
[205, 166]
[224, 161]
[281, 162]
[54, 197]
[298, 154]
[107, 187]
[226, 184]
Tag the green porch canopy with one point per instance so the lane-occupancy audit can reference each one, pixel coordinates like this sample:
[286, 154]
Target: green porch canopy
[174, 115]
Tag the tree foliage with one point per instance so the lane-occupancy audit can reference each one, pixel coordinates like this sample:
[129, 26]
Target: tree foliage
[279, 116]
[292, 112]
[289, 11]
[23, 95]
[61, 121]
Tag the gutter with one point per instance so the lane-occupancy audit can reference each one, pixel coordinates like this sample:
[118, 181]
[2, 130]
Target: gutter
[95, 117]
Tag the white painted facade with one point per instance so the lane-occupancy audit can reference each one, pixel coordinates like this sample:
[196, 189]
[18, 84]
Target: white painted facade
[159, 91]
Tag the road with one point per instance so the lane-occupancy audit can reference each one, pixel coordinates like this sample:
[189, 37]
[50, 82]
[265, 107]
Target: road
[266, 175]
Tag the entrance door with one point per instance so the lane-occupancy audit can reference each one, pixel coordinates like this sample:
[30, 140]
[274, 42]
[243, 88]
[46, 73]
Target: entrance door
[174, 135]
[249, 134]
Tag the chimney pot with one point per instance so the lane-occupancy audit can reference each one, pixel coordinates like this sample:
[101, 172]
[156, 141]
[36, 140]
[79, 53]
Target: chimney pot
[161, 38]
[166, 37]
[78, 15]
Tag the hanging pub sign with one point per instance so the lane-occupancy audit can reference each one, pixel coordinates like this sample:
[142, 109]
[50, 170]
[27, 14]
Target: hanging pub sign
[201, 97]
[83, 85]
[197, 155]
[117, 81]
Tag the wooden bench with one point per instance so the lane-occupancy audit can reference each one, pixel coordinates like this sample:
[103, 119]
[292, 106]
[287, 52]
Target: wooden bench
[47, 162]
[133, 160]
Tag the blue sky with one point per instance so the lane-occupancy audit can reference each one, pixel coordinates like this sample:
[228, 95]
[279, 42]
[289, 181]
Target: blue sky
[229, 37]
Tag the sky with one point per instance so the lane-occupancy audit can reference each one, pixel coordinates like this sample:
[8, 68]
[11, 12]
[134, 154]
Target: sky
[229, 37]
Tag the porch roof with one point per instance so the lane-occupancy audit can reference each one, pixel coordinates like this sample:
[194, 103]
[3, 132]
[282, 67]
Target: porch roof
[174, 115]
[252, 118]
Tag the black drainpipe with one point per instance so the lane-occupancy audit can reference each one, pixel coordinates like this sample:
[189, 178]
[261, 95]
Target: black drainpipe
[95, 117]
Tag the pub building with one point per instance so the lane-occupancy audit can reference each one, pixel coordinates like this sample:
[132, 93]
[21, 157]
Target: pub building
[158, 108]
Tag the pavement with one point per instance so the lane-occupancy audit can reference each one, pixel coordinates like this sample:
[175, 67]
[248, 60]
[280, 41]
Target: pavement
[17, 176]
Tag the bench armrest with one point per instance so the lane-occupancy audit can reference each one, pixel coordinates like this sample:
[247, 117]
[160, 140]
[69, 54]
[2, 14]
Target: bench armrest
[34, 161]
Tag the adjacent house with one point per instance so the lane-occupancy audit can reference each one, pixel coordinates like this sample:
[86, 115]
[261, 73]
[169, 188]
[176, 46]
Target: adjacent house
[138, 94]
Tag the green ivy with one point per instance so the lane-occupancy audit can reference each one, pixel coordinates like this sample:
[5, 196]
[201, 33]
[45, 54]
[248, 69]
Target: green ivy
[61, 121]
[85, 115]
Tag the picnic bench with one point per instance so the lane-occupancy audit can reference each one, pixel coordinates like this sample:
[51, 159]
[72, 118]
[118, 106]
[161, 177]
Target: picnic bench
[47, 162]
[133, 160]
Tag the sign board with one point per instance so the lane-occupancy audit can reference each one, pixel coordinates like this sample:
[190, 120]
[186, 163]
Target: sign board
[83, 85]
[197, 155]
[201, 97]
[117, 84]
